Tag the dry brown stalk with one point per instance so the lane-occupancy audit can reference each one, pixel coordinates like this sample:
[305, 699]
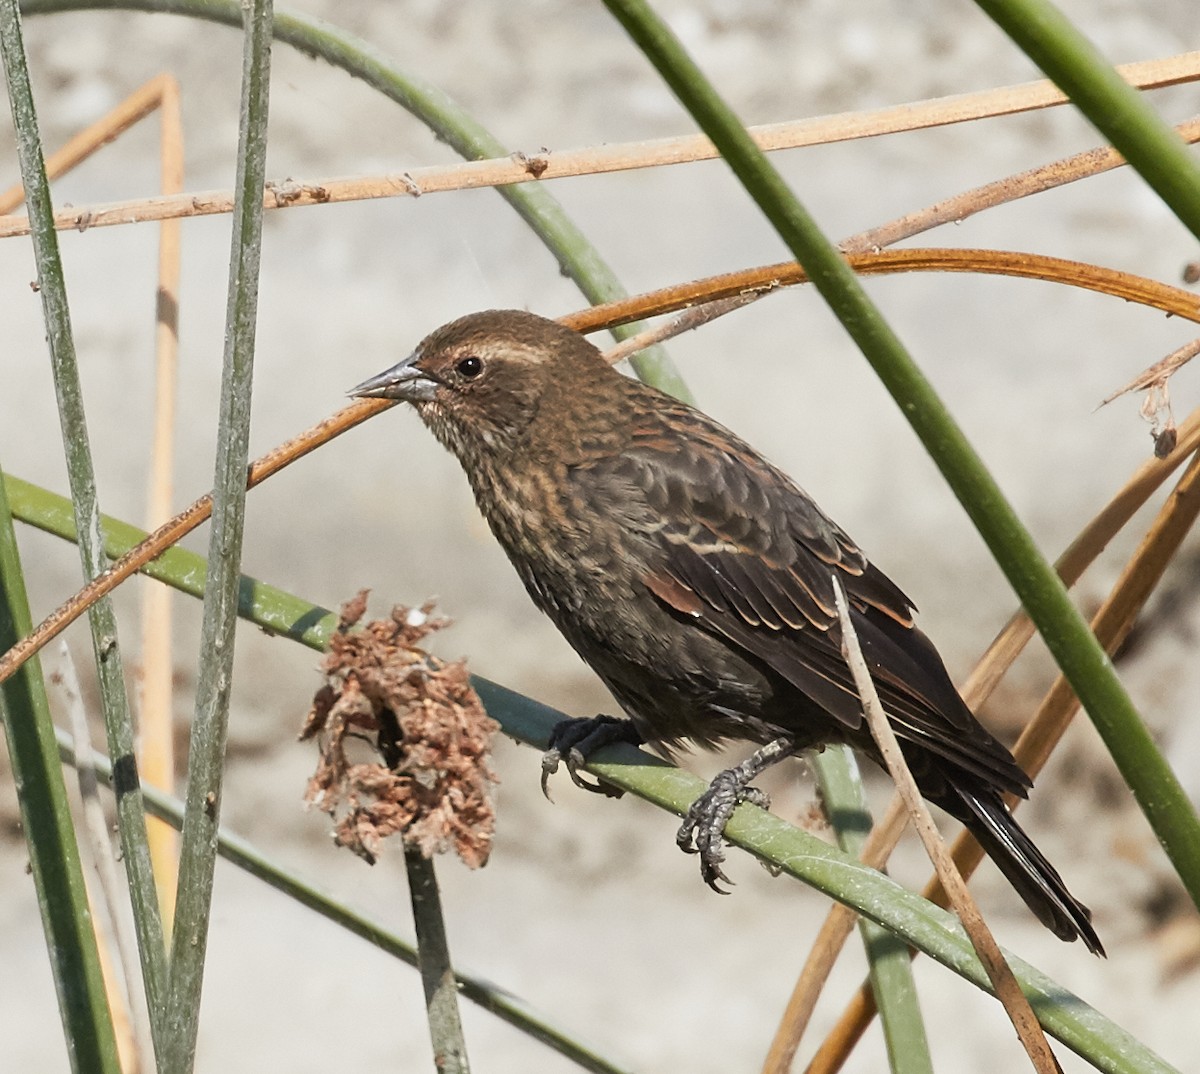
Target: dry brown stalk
[1001, 192]
[156, 724]
[768, 278]
[544, 165]
[1008, 991]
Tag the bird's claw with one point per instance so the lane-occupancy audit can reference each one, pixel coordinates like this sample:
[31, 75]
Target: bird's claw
[703, 827]
[573, 741]
[574, 760]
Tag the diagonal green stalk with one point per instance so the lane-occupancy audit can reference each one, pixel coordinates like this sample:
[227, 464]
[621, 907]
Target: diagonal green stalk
[131, 818]
[206, 755]
[276, 612]
[871, 894]
[451, 123]
[1066, 633]
[50, 835]
[840, 784]
[1122, 114]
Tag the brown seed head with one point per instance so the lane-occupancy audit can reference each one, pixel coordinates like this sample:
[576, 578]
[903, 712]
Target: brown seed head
[434, 777]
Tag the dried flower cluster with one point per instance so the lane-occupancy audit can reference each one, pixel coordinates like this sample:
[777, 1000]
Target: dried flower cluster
[433, 780]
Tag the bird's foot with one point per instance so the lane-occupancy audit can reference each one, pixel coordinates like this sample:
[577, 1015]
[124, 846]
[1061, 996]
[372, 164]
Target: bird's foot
[703, 828]
[573, 741]
[702, 831]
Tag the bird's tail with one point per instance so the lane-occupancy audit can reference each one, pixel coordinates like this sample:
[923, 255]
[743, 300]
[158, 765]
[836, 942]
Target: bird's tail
[1033, 877]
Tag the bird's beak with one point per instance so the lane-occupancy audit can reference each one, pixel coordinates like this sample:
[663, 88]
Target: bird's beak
[405, 381]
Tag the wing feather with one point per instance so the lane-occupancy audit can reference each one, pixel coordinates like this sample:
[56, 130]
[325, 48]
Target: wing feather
[743, 552]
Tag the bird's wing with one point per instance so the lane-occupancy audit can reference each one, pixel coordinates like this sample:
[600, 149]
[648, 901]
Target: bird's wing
[745, 553]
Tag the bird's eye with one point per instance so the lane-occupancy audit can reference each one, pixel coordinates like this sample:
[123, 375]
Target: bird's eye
[469, 367]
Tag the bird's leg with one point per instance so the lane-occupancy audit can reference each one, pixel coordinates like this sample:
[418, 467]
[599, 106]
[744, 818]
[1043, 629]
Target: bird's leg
[704, 823]
[575, 740]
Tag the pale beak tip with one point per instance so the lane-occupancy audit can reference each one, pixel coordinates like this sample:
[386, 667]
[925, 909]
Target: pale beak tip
[404, 381]
[380, 386]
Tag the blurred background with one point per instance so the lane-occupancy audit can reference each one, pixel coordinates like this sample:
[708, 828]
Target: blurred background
[586, 908]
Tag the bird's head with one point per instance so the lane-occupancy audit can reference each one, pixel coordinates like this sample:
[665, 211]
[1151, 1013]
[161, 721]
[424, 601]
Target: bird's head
[479, 382]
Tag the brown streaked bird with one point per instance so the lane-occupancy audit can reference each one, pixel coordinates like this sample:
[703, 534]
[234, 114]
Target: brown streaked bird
[697, 581]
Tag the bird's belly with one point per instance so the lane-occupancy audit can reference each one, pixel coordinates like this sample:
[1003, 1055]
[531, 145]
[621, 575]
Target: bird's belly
[677, 685]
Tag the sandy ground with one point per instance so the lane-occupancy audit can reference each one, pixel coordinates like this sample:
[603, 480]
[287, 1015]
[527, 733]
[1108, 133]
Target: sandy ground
[586, 910]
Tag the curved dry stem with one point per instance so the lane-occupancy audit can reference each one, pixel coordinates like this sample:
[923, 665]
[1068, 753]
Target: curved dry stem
[768, 278]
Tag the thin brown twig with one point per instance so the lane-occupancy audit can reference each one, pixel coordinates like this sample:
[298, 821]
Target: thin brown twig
[1008, 991]
[753, 284]
[687, 321]
[986, 676]
[537, 167]
[182, 524]
[1011, 188]
[991, 195]
[1159, 372]
[1111, 623]
[955, 209]
[951, 210]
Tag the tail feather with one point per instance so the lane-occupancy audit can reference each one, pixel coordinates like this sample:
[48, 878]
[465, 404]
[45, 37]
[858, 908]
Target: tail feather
[1026, 868]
